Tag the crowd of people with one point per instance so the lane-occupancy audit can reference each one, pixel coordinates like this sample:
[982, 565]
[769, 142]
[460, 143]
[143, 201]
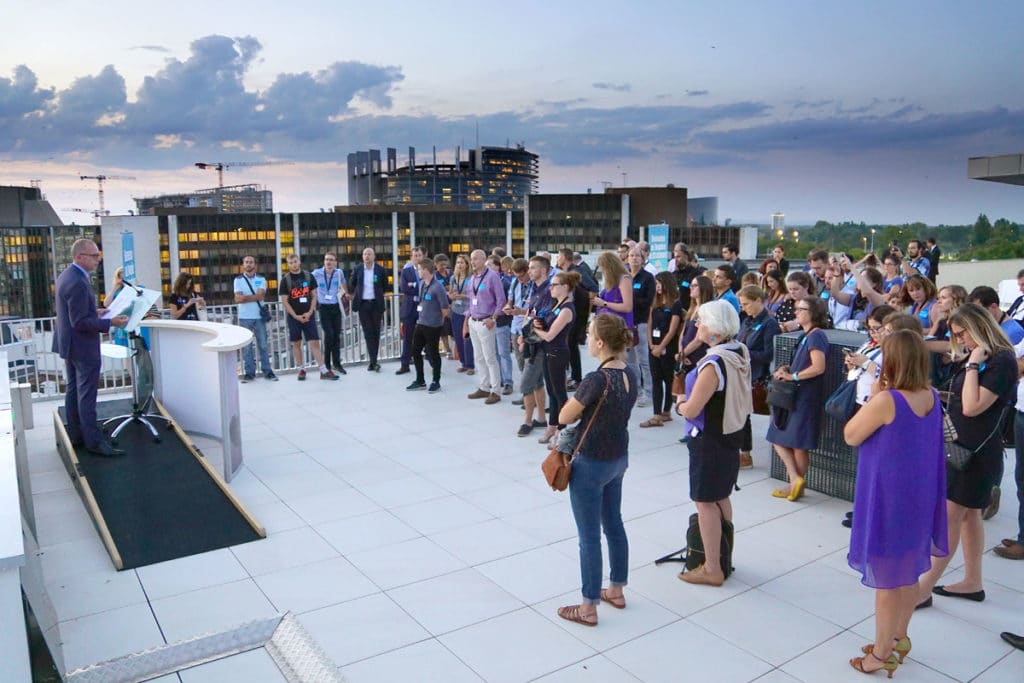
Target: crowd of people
[697, 345]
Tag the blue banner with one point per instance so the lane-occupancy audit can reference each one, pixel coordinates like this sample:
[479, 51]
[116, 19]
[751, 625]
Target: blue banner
[128, 256]
[657, 237]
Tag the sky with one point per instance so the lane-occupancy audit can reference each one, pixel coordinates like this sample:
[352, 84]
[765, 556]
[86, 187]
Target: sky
[834, 111]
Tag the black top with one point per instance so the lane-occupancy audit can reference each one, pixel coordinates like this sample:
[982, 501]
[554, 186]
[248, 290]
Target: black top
[561, 340]
[183, 302]
[999, 375]
[661, 320]
[786, 311]
[683, 278]
[643, 295]
[297, 287]
[689, 333]
[608, 438]
[759, 336]
[784, 267]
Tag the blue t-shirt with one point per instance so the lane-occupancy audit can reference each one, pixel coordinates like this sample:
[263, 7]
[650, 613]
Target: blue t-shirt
[1013, 330]
[729, 296]
[251, 309]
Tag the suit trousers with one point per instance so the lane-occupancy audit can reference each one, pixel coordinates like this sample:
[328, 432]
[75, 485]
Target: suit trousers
[486, 350]
[80, 400]
[370, 321]
[408, 330]
[427, 339]
[330, 321]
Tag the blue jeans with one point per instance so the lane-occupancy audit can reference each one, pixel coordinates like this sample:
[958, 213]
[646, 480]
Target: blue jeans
[503, 340]
[595, 491]
[259, 331]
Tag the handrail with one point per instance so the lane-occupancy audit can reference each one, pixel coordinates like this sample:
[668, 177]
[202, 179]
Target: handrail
[28, 343]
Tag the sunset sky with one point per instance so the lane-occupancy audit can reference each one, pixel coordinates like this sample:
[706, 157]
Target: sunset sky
[853, 111]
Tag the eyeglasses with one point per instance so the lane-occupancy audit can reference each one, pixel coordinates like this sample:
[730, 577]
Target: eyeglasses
[94, 254]
[874, 330]
[958, 335]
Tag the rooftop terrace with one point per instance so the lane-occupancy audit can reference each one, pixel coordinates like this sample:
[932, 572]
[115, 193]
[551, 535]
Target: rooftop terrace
[415, 539]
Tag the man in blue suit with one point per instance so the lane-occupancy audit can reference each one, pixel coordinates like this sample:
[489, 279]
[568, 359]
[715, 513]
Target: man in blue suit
[409, 287]
[77, 339]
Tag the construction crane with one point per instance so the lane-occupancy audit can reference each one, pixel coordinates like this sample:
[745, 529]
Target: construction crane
[99, 181]
[221, 166]
[94, 212]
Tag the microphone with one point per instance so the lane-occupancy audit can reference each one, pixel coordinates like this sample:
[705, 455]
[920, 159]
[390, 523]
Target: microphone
[138, 290]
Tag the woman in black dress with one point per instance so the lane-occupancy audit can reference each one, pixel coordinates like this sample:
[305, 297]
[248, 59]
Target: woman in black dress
[554, 330]
[982, 388]
[183, 302]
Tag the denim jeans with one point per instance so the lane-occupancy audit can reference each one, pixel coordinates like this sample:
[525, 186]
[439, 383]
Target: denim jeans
[595, 491]
[259, 331]
[503, 341]
[641, 361]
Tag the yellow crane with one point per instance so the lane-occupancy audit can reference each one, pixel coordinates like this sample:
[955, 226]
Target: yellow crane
[99, 182]
[221, 166]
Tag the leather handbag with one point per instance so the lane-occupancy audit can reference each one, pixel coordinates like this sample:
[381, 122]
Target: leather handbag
[679, 381]
[759, 398]
[959, 456]
[557, 466]
[842, 404]
[782, 394]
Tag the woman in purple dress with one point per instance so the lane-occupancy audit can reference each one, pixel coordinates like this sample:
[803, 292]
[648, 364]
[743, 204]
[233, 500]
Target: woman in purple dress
[899, 511]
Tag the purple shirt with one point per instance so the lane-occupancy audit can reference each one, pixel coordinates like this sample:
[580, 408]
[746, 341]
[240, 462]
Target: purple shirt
[486, 295]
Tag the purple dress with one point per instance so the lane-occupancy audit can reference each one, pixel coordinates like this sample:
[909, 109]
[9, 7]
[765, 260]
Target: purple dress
[615, 297]
[899, 508]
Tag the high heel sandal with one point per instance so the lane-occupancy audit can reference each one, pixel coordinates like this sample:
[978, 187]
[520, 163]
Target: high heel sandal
[889, 665]
[901, 648]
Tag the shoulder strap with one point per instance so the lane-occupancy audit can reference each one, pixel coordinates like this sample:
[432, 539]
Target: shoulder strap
[246, 278]
[590, 423]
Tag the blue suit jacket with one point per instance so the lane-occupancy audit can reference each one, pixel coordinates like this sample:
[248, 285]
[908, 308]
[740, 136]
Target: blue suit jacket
[409, 287]
[355, 288]
[77, 334]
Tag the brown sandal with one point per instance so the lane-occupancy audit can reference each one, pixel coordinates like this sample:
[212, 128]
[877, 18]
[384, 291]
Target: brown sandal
[656, 421]
[618, 602]
[572, 613]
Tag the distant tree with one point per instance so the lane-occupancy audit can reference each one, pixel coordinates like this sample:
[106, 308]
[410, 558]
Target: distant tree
[982, 230]
[1005, 231]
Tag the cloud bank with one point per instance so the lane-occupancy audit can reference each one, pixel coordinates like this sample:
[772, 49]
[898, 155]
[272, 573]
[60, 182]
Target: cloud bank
[199, 108]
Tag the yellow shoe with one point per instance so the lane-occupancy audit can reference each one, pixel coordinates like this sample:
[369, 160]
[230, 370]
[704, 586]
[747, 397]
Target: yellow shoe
[779, 493]
[797, 490]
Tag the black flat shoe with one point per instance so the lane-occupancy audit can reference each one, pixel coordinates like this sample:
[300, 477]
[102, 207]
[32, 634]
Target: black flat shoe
[924, 604]
[977, 596]
[1013, 639]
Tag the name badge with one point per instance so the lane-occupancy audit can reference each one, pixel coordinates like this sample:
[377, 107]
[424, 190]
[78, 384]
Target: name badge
[415, 298]
[684, 284]
[412, 284]
[375, 279]
[328, 298]
[303, 300]
[474, 301]
[636, 285]
[428, 297]
[758, 326]
[824, 295]
[656, 333]
[419, 309]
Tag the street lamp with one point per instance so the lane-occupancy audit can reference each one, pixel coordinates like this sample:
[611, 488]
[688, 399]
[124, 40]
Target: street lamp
[872, 240]
[864, 241]
[796, 235]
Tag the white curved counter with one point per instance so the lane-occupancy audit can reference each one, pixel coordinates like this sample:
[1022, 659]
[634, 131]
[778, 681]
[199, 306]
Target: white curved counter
[195, 376]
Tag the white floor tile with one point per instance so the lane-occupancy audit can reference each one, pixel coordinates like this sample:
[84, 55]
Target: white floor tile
[1006, 670]
[548, 524]
[660, 584]
[276, 516]
[466, 477]
[657, 656]
[519, 646]
[77, 595]
[282, 550]
[518, 574]
[424, 662]
[74, 557]
[362, 628]
[616, 626]
[365, 532]
[828, 593]
[830, 661]
[783, 631]
[106, 635]
[254, 666]
[405, 491]
[316, 585]
[508, 498]
[451, 601]
[485, 541]
[191, 573]
[441, 514]
[211, 609]
[399, 564]
[333, 505]
[591, 670]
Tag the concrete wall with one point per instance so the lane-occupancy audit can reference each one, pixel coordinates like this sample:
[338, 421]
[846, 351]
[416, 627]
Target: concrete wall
[972, 274]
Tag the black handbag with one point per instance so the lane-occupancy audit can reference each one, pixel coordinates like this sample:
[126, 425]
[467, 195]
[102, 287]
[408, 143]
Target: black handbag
[842, 404]
[264, 309]
[782, 394]
[695, 556]
[959, 456]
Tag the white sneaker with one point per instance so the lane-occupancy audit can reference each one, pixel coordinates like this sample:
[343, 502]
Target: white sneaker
[643, 401]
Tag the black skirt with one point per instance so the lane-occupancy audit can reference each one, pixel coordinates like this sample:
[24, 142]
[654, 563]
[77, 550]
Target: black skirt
[972, 488]
[714, 467]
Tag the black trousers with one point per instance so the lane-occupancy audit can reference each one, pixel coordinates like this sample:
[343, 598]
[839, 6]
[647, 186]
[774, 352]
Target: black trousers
[370, 321]
[576, 339]
[426, 339]
[662, 371]
[556, 361]
[330, 321]
[408, 330]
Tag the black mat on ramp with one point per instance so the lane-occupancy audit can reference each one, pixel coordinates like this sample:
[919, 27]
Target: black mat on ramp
[158, 502]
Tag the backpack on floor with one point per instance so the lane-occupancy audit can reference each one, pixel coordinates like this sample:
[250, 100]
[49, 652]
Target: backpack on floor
[695, 546]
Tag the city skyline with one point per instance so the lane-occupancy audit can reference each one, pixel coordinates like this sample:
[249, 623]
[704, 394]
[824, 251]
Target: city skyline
[836, 113]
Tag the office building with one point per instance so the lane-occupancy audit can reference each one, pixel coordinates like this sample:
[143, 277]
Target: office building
[493, 178]
[701, 211]
[778, 223]
[230, 199]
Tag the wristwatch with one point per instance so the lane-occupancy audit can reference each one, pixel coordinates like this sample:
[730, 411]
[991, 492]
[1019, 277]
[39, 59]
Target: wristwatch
[973, 366]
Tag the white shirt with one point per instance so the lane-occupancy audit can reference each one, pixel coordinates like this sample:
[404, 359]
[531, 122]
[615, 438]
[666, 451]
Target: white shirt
[1019, 352]
[368, 293]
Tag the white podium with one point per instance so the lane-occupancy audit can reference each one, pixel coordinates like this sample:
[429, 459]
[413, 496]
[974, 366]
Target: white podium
[195, 376]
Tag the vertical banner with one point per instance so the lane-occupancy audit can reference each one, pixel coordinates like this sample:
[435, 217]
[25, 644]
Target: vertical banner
[657, 237]
[128, 256]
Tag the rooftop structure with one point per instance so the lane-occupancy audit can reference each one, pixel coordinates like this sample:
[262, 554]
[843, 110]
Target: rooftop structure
[1006, 168]
[493, 178]
[249, 198]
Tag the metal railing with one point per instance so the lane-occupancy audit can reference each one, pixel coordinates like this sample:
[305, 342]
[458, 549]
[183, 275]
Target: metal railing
[30, 359]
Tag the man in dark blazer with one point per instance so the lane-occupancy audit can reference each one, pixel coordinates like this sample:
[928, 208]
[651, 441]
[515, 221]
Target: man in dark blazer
[77, 339]
[366, 290]
[934, 254]
[409, 287]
